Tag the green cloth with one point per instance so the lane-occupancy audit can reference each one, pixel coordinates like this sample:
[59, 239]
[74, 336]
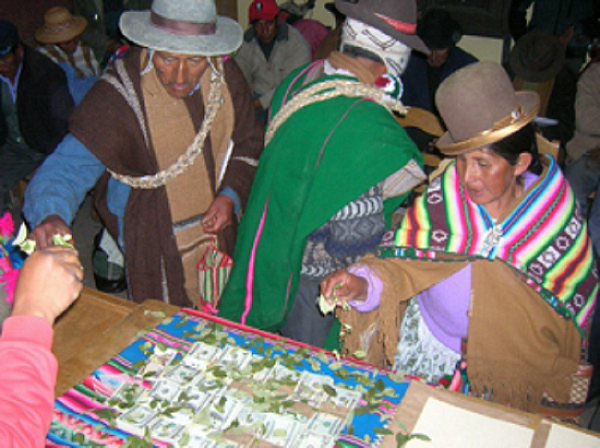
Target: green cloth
[324, 156]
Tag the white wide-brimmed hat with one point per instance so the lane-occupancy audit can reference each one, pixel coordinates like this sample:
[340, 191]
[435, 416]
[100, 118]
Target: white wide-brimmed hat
[184, 26]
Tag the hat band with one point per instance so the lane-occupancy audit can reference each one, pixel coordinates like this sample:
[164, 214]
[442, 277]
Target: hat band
[406, 28]
[502, 128]
[58, 29]
[182, 27]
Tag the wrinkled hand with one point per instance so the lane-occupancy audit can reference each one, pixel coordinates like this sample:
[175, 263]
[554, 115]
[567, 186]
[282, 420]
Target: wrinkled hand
[219, 215]
[50, 226]
[49, 282]
[352, 287]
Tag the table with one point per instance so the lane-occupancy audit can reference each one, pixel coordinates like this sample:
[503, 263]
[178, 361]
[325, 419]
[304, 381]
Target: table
[96, 327]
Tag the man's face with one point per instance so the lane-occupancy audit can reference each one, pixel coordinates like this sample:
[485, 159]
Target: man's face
[9, 63]
[179, 73]
[265, 30]
[437, 58]
[69, 46]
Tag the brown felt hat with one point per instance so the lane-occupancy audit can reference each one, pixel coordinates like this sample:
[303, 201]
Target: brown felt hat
[538, 56]
[396, 18]
[60, 26]
[480, 106]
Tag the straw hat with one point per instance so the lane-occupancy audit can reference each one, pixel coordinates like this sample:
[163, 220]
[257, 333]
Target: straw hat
[480, 106]
[396, 18]
[60, 26]
[184, 26]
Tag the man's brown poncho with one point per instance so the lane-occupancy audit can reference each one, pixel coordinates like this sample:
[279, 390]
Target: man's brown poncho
[109, 124]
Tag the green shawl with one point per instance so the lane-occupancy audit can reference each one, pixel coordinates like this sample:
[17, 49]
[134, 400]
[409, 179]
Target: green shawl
[323, 156]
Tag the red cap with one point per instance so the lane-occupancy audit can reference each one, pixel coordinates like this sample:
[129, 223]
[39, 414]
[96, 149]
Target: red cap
[263, 10]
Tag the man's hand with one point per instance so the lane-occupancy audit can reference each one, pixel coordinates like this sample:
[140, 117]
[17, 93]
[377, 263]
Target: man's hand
[352, 287]
[219, 215]
[50, 226]
[49, 282]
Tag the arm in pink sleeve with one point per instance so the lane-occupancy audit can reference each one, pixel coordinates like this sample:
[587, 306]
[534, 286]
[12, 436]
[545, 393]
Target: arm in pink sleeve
[375, 288]
[27, 379]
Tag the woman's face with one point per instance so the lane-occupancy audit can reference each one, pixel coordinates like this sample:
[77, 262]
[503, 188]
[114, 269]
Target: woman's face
[490, 179]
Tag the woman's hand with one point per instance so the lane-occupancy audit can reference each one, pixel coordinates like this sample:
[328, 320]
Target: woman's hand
[351, 287]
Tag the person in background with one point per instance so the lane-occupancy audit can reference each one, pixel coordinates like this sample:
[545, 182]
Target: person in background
[35, 109]
[60, 40]
[50, 280]
[492, 265]
[270, 51]
[570, 21]
[312, 30]
[168, 137]
[332, 41]
[102, 32]
[336, 166]
[424, 73]
[539, 57]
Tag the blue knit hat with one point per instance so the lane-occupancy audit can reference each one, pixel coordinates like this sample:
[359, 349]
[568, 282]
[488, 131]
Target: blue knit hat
[9, 37]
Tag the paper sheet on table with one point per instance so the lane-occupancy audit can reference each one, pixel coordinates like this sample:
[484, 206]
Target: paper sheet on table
[561, 437]
[449, 426]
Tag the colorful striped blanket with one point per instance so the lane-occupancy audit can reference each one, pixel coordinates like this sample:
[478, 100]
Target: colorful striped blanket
[194, 377]
[543, 237]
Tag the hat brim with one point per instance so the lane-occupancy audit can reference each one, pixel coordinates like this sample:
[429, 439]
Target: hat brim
[529, 102]
[135, 25]
[71, 32]
[525, 73]
[356, 11]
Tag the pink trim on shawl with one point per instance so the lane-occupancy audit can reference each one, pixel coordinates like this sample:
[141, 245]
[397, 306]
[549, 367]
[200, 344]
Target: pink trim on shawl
[250, 275]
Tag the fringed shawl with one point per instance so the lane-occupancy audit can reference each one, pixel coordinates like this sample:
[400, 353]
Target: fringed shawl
[543, 237]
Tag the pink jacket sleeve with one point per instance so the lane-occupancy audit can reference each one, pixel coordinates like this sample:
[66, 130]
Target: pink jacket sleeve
[27, 378]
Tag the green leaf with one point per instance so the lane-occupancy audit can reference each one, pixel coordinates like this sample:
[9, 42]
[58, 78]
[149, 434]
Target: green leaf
[382, 431]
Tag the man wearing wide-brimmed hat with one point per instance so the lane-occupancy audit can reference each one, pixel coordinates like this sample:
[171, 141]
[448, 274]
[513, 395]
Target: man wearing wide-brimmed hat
[539, 57]
[60, 40]
[336, 165]
[168, 132]
[36, 106]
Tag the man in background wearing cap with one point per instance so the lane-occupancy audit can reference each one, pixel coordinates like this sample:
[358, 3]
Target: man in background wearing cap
[270, 51]
[425, 73]
[36, 106]
[169, 134]
[335, 167]
[60, 40]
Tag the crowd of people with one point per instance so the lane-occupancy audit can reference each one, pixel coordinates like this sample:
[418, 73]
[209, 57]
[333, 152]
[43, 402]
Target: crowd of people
[196, 136]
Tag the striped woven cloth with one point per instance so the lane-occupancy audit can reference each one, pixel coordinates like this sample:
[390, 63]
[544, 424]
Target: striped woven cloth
[543, 237]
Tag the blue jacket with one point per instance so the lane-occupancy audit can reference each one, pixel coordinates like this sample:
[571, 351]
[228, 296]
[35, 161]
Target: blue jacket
[414, 79]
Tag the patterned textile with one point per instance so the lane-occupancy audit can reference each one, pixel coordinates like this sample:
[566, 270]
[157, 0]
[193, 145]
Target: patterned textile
[351, 233]
[82, 416]
[419, 352]
[543, 237]
[82, 60]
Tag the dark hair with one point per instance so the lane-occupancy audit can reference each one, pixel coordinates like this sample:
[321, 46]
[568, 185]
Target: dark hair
[354, 52]
[515, 144]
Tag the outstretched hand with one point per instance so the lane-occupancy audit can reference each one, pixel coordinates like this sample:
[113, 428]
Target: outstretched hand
[49, 282]
[43, 234]
[351, 287]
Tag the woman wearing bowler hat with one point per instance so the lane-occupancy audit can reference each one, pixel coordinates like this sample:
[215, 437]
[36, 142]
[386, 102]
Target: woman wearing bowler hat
[492, 264]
